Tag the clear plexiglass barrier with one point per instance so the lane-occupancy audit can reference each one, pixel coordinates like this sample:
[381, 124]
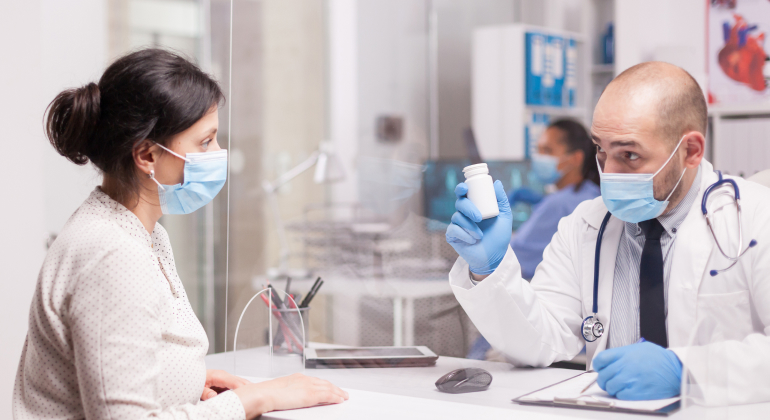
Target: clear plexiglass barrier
[274, 317]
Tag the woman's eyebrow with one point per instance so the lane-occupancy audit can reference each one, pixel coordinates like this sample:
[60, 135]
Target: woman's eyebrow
[210, 132]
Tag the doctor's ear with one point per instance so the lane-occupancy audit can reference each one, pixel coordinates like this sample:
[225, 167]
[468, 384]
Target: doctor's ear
[145, 155]
[694, 145]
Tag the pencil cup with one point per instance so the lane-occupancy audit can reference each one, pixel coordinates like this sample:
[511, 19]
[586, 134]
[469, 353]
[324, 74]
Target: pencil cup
[290, 327]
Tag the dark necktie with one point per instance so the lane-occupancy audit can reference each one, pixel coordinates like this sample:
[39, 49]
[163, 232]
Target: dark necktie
[652, 305]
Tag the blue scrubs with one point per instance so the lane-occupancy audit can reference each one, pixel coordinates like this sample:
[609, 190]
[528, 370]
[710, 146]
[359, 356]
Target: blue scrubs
[535, 234]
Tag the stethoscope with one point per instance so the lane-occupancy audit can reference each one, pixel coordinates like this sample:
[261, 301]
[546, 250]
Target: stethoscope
[592, 328]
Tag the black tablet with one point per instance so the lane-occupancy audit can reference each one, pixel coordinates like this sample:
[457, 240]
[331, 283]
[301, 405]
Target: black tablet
[370, 357]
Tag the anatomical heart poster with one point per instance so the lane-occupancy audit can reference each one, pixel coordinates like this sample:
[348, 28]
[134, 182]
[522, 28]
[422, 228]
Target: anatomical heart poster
[738, 61]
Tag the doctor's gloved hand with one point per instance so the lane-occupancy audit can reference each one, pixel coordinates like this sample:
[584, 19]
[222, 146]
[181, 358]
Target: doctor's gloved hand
[642, 371]
[481, 243]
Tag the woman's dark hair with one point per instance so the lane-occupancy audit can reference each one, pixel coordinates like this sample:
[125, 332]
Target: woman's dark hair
[148, 94]
[576, 138]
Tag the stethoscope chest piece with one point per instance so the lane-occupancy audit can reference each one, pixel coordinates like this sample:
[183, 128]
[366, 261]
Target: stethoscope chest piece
[592, 329]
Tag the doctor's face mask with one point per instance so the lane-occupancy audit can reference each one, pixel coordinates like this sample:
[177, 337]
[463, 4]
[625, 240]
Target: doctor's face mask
[630, 197]
[204, 176]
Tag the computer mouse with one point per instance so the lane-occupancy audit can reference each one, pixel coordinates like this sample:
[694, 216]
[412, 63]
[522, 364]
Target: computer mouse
[464, 380]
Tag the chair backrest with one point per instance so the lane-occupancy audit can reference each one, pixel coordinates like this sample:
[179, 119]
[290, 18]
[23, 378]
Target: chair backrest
[761, 178]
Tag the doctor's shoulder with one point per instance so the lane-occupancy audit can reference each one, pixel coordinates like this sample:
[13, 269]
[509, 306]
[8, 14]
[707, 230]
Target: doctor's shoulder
[755, 200]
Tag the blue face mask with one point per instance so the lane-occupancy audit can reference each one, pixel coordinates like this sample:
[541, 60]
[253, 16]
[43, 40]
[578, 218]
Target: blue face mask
[630, 197]
[545, 168]
[204, 176]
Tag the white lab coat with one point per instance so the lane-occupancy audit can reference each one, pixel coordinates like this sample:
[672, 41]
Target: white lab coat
[718, 326]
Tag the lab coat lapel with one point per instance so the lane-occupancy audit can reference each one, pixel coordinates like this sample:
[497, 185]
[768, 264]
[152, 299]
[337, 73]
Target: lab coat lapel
[692, 250]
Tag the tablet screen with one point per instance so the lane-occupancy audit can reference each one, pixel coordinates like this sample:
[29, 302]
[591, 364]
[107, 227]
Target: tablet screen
[376, 352]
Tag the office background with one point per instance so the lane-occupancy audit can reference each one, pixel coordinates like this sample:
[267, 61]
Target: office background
[386, 85]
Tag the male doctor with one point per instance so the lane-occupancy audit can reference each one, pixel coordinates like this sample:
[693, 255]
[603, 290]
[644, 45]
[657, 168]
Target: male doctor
[655, 261]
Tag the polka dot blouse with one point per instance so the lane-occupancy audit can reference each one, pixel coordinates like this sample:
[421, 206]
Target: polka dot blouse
[111, 332]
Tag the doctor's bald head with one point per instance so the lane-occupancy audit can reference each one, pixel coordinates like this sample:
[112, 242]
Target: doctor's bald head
[669, 96]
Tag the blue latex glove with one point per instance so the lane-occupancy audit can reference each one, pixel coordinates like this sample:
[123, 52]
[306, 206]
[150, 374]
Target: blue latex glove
[481, 243]
[524, 195]
[642, 371]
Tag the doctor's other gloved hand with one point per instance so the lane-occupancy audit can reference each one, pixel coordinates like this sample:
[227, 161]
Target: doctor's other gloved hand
[481, 243]
[642, 371]
[524, 195]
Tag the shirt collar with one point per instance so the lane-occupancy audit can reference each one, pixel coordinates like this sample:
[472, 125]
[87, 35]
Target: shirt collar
[673, 219]
[124, 217]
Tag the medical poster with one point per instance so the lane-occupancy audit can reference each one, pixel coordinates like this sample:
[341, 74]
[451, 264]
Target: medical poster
[737, 54]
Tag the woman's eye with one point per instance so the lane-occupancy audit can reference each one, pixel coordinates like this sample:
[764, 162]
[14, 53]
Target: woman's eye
[206, 144]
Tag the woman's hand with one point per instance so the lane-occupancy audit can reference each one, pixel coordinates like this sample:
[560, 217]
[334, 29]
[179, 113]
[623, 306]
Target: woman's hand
[219, 381]
[295, 391]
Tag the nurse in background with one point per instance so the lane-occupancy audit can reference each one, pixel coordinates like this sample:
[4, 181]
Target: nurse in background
[565, 160]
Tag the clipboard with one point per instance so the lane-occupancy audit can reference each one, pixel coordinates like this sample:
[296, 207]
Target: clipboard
[590, 403]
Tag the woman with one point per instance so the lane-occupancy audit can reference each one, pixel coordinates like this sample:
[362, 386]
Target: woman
[111, 332]
[566, 159]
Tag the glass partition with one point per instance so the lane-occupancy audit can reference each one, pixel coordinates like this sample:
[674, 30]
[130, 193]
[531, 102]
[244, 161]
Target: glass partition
[346, 127]
[342, 113]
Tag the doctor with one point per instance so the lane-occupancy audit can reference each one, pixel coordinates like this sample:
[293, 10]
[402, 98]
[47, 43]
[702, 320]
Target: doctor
[656, 256]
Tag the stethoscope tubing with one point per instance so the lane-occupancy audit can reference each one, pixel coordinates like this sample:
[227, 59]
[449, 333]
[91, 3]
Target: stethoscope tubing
[734, 260]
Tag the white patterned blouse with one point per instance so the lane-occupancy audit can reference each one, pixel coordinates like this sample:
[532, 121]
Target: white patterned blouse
[111, 332]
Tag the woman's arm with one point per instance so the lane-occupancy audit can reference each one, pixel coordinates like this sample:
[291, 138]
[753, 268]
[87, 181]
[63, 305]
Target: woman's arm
[114, 318]
[295, 391]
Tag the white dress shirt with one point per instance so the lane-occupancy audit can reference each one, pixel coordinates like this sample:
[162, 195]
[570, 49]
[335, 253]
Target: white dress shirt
[624, 329]
[111, 331]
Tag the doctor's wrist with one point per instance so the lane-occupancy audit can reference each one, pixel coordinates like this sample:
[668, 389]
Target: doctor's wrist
[478, 277]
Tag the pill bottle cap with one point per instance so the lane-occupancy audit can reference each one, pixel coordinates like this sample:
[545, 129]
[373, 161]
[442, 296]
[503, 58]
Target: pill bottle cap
[477, 169]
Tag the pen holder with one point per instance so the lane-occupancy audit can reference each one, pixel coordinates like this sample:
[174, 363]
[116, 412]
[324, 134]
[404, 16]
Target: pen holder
[290, 329]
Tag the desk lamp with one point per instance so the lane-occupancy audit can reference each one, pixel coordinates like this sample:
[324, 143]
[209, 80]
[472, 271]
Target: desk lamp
[328, 169]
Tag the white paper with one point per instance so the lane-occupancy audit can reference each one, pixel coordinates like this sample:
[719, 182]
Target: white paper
[571, 389]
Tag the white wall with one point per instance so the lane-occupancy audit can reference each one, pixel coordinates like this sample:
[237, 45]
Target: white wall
[73, 53]
[665, 30]
[47, 45]
[22, 233]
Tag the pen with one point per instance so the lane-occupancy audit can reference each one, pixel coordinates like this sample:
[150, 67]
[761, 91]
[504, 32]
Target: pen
[306, 301]
[312, 294]
[641, 340]
[288, 284]
[276, 300]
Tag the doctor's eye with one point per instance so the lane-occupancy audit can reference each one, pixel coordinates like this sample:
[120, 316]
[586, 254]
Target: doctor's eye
[599, 149]
[631, 156]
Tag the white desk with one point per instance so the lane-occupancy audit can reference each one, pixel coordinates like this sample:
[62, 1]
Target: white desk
[410, 393]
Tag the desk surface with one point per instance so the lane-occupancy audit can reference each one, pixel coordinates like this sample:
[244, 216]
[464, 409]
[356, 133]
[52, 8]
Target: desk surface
[410, 393]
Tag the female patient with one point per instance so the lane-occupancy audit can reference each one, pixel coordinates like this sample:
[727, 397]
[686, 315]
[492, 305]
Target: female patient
[111, 332]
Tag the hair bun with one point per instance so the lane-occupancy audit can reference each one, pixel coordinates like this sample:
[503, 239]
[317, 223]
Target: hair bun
[71, 121]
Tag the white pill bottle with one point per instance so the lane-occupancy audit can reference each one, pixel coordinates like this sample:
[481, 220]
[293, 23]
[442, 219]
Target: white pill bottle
[481, 190]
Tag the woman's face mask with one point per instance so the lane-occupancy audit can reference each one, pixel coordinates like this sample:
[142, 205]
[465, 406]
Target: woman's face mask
[204, 176]
[546, 168]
